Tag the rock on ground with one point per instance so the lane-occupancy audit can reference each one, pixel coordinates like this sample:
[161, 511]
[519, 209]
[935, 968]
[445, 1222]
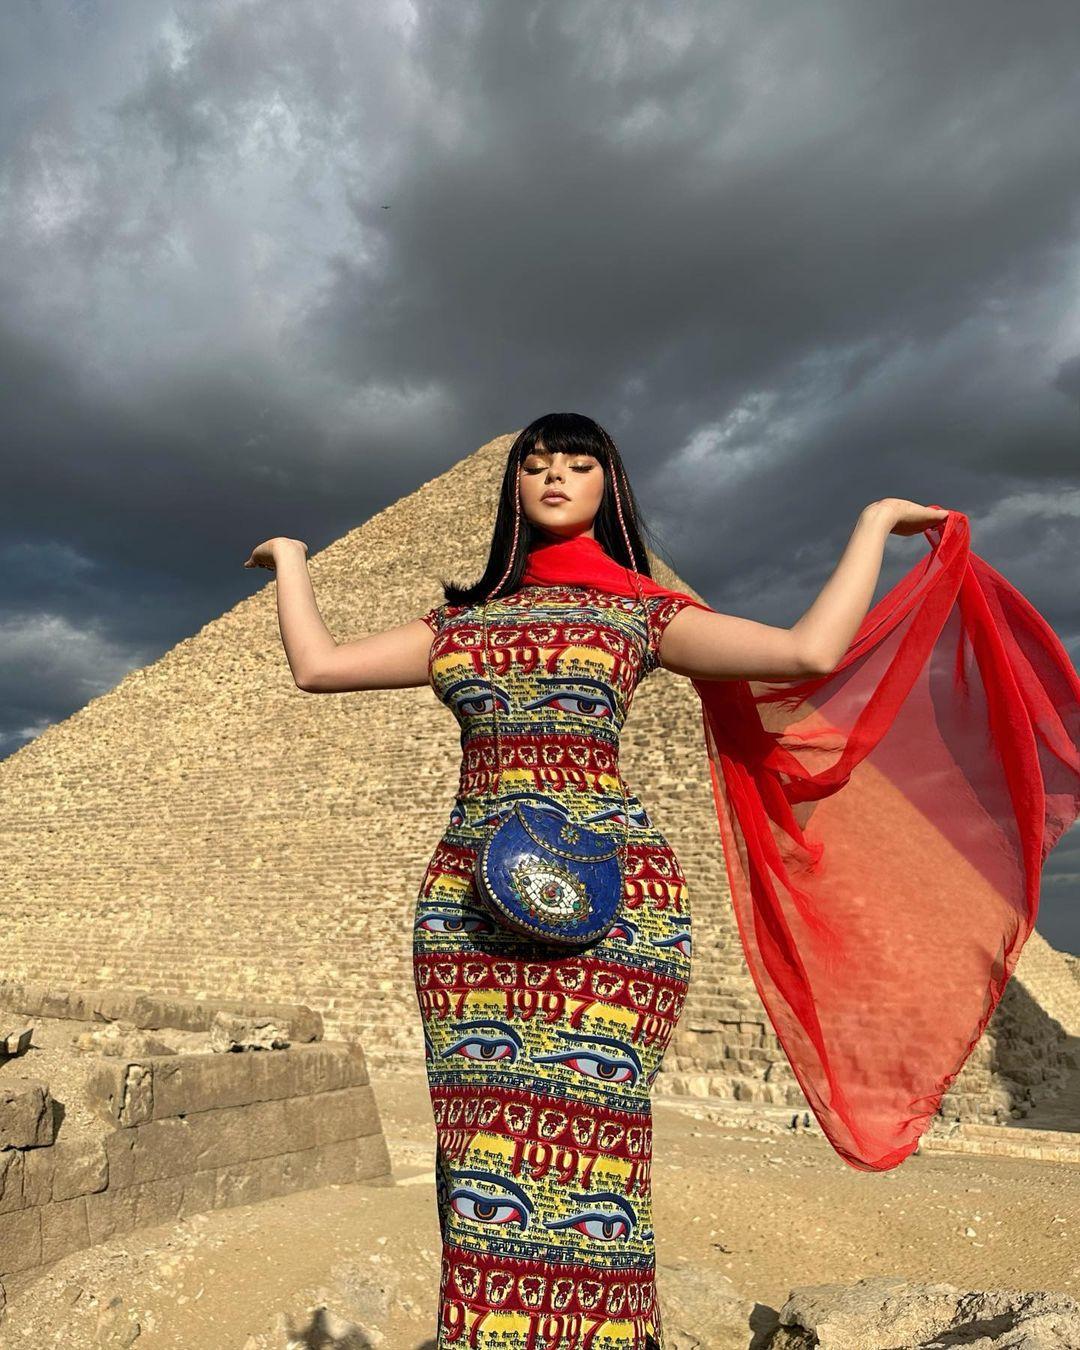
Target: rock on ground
[884, 1313]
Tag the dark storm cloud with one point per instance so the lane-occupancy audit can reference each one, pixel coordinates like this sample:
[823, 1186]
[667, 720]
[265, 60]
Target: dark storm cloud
[794, 257]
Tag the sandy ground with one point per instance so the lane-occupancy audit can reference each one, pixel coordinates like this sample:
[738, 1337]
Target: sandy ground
[765, 1211]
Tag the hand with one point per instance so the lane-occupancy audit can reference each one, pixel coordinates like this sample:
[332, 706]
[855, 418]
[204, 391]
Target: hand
[263, 555]
[906, 517]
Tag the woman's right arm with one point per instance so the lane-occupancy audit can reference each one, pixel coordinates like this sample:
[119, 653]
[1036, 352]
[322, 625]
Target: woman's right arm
[394, 659]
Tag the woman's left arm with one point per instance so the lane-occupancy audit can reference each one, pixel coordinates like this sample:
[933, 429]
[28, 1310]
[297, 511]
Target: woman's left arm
[709, 646]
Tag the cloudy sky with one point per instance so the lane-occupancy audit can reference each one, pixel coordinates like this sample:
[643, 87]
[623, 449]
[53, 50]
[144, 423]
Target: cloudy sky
[268, 265]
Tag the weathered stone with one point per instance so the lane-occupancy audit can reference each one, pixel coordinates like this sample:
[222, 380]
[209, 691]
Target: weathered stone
[119, 1211]
[172, 1085]
[123, 1093]
[887, 1313]
[27, 1118]
[81, 1166]
[11, 1179]
[144, 1010]
[299, 1022]
[39, 1165]
[330, 1116]
[116, 1328]
[118, 1039]
[704, 1313]
[64, 1228]
[231, 1032]
[20, 1240]
[15, 1041]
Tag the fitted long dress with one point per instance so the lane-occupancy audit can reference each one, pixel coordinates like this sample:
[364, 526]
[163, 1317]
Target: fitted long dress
[540, 1060]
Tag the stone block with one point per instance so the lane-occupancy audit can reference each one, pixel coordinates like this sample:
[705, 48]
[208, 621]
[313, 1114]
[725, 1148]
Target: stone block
[115, 1211]
[232, 1137]
[11, 1179]
[239, 1134]
[110, 1212]
[247, 1183]
[81, 1167]
[186, 1084]
[882, 1312]
[122, 1093]
[27, 1117]
[158, 1201]
[330, 1116]
[15, 1041]
[190, 1083]
[64, 1228]
[198, 1194]
[189, 1014]
[39, 1164]
[373, 1160]
[150, 1152]
[231, 1032]
[338, 1162]
[20, 1241]
[153, 1087]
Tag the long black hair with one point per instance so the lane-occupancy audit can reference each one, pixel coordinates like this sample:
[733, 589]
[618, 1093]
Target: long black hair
[570, 434]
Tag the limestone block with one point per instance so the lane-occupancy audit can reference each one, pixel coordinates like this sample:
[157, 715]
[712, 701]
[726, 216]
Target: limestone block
[122, 1209]
[231, 1031]
[64, 1228]
[120, 1040]
[81, 1167]
[11, 1179]
[705, 1312]
[246, 1183]
[20, 1240]
[300, 1022]
[198, 1193]
[150, 1152]
[171, 1085]
[330, 1116]
[185, 1084]
[15, 1041]
[39, 1165]
[884, 1312]
[175, 1146]
[27, 1118]
[123, 1093]
[372, 1159]
[201, 1082]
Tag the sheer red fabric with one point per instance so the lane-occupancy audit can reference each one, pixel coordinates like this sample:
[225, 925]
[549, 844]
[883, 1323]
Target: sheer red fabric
[884, 829]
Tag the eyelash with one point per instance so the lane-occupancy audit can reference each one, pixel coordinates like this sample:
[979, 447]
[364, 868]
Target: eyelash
[578, 468]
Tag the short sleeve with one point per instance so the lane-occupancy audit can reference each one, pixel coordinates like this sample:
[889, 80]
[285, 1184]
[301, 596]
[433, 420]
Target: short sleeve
[662, 609]
[433, 618]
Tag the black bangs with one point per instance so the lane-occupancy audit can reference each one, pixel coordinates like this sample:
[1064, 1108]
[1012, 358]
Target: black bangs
[564, 433]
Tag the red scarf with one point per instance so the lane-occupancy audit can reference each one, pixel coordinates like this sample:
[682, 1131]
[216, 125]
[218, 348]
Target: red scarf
[884, 829]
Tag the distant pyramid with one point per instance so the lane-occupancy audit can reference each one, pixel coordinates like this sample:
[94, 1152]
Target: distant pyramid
[207, 829]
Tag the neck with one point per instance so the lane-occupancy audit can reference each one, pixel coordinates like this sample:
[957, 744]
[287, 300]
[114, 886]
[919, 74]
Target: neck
[546, 537]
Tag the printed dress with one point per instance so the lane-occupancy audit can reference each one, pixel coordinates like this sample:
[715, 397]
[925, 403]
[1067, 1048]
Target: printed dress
[540, 1060]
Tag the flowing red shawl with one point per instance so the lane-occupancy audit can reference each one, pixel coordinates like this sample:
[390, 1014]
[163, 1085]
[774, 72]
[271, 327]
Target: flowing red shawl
[884, 829]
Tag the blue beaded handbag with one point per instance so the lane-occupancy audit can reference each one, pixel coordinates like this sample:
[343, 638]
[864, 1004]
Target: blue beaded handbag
[545, 876]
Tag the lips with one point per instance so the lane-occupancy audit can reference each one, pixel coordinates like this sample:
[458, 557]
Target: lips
[554, 497]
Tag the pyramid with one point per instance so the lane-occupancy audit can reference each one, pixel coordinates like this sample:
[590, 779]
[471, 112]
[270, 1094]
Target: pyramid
[205, 829]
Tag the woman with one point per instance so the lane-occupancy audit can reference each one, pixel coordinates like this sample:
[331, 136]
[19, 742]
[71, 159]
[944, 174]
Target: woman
[540, 1060]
